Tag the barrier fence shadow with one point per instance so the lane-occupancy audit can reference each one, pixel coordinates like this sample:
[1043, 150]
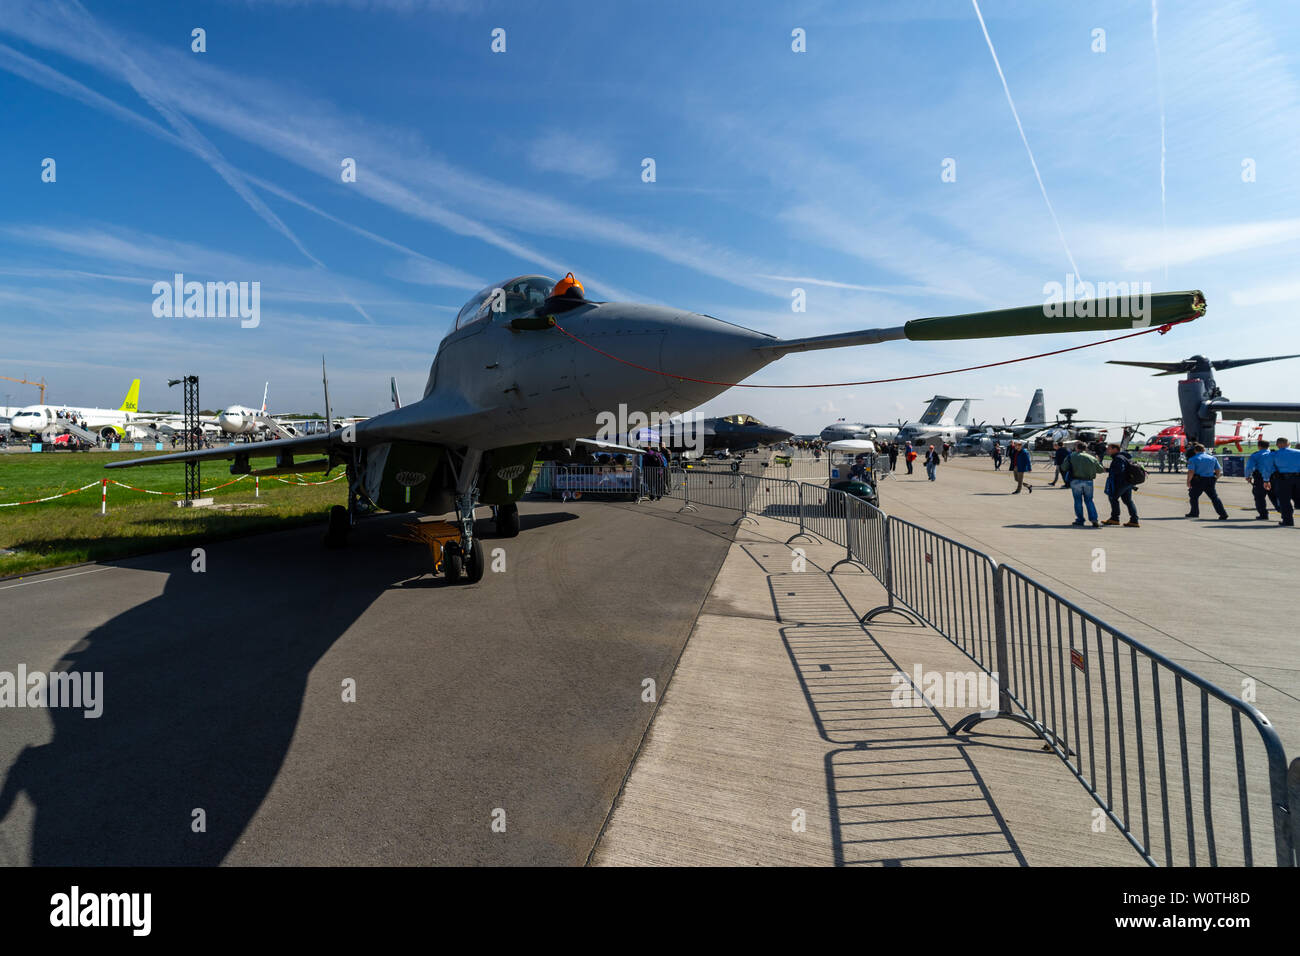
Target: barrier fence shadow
[901, 791]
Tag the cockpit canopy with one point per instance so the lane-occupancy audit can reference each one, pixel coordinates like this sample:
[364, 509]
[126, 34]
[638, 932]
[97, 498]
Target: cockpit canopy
[516, 297]
[741, 420]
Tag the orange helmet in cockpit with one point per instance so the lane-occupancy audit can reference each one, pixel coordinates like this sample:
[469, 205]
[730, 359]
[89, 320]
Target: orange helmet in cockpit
[569, 287]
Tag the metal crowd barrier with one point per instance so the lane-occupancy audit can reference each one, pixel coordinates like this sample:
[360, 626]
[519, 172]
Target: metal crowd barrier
[1162, 751]
[825, 513]
[946, 584]
[868, 538]
[574, 481]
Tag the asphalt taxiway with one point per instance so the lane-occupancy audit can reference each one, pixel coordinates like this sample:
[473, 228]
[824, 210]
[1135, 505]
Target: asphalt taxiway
[511, 722]
[492, 723]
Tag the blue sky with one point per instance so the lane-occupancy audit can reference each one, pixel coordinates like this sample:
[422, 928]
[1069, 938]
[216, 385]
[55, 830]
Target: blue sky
[819, 170]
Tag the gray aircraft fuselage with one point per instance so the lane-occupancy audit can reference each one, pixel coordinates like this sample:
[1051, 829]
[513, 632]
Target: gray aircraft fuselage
[492, 384]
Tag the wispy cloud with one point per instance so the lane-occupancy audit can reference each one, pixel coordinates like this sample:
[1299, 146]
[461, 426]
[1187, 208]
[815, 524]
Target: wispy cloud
[572, 154]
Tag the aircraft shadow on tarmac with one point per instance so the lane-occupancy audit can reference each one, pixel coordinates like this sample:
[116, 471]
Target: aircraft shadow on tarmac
[202, 691]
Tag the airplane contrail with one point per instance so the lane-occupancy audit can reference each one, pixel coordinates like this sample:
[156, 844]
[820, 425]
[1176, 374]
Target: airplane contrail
[1024, 139]
[205, 150]
[1160, 89]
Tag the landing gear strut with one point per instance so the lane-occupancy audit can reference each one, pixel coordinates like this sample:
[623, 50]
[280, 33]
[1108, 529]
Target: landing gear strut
[465, 557]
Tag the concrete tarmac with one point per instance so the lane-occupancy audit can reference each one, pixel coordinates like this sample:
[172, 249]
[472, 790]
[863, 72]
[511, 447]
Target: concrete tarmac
[780, 742]
[492, 723]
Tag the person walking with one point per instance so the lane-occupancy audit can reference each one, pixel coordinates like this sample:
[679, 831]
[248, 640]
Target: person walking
[1162, 454]
[1059, 454]
[1285, 481]
[947, 446]
[1203, 473]
[996, 453]
[1259, 469]
[931, 460]
[893, 456]
[909, 455]
[1118, 487]
[1021, 465]
[1082, 468]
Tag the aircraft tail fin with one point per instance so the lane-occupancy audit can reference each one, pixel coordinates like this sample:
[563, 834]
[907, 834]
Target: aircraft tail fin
[132, 401]
[397, 399]
[265, 388]
[963, 414]
[1037, 408]
[934, 411]
[325, 381]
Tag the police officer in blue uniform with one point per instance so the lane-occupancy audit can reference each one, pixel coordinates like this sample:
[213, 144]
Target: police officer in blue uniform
[1285, 481]
[1259, 469]
[1202, 474]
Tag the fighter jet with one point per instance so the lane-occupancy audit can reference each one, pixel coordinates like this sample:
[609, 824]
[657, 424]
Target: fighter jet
[531, 361]
[1201, 403]
[728, 435]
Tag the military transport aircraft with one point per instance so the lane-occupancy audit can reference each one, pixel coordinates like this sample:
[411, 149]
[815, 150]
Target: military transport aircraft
[860, 431]
[932, 429]
[531, 363]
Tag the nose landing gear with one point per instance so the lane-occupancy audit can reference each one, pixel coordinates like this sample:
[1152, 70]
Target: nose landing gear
[464, 557]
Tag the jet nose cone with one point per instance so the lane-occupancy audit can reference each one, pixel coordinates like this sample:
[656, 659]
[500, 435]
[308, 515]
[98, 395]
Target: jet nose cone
[664, 356]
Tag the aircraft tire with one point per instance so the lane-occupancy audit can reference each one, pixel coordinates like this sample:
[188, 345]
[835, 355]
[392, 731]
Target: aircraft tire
[507, 521]
[453, 564]
[474, 564]
[339, 526]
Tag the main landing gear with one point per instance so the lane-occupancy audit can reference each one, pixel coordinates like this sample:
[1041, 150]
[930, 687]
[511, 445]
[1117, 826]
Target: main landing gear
[342, 519]
[507, 520]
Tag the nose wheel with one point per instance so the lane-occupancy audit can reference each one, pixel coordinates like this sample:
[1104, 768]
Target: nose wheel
[461, 565]
[463, 559]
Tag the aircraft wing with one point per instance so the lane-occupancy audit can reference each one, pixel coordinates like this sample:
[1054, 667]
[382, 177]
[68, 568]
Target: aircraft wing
[258, 449]
[609, 446]
[1273, 411]
[435, 420]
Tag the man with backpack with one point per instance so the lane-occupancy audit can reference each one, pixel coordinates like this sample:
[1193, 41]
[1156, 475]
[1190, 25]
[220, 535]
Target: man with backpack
[1081, 468]
[1120, 483]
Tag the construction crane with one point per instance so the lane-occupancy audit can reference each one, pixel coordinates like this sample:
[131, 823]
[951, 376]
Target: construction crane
[23, 381]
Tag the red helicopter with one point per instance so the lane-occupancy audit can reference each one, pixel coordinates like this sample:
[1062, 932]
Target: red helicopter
[1174, 437]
